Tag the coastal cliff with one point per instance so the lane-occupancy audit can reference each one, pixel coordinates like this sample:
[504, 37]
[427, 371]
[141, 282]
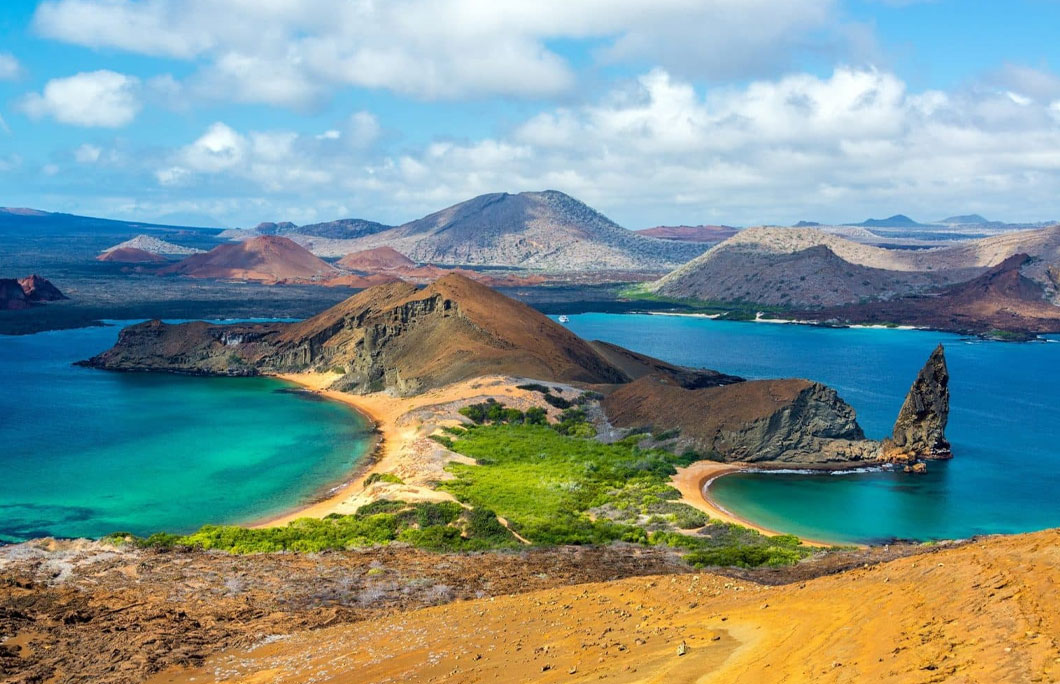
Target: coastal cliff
[761, 421]
[790, 422]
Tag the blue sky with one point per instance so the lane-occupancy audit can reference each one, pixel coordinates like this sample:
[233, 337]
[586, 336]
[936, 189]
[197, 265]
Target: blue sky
[655, 112]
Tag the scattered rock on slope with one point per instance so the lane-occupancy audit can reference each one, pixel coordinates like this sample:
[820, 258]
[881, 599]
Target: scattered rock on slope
[153, 245]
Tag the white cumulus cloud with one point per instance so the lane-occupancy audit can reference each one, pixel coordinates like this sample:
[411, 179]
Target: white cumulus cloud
[10, 69]
[95, 98]
[295, 53]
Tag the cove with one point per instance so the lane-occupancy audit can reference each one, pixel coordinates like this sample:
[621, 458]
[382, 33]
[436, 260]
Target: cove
[86, 452]
[1004, 425]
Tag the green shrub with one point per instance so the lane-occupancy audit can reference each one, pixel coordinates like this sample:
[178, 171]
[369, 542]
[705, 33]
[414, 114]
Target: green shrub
[535, 387]
[535, 415]
[558, 402]
[442, 439]
[383, 477]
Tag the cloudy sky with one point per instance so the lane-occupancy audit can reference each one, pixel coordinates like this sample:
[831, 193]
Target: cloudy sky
[230, 112]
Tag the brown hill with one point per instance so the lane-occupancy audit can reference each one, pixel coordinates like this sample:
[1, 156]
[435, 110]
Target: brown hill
[131, 255]
[712, 234]
[546, 230]
[392, 336]
[268, 258]
[375, 259]
[40, 289]
[1000, 299]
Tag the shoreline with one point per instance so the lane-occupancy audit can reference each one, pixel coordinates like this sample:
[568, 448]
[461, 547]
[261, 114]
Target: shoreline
[320, 506]
[694, 484]
[393, 443]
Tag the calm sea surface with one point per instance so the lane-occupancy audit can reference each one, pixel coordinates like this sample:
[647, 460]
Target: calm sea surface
[1004, 425]
[85, 452]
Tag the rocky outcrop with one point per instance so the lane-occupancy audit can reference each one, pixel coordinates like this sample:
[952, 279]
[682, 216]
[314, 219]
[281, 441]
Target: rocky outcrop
[794, 422]
[920, 431]
[25, 292]
[40, 289]
[762, 421]
[12, 296]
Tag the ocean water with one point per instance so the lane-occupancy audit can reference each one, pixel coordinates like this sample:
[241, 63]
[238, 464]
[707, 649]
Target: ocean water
[85, 452]
[1004, 425]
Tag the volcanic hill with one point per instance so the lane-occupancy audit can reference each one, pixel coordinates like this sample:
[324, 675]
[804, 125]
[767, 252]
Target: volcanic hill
[546, 230]
[267, 258]
[807, 267]
[376, 259]
[131, 255]
[710, 234]
[152, 245]
[1000, 299]
[393, 336]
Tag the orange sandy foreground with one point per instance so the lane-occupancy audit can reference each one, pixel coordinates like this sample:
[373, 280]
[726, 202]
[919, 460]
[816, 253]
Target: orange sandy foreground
[985, 611]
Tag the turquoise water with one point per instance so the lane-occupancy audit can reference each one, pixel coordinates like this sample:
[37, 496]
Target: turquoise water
[1004, 425]
[85, 452]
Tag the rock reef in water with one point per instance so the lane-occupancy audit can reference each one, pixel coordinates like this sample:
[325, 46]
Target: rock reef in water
[920, 431]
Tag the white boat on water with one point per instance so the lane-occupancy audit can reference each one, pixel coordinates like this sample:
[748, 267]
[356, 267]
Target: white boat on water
[563, 319]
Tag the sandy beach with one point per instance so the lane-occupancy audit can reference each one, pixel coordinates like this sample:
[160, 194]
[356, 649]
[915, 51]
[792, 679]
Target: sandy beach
[693, 483]
[403, 425]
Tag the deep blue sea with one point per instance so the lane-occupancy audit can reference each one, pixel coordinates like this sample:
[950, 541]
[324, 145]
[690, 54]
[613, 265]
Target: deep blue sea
[1004, 425]
[85, 452]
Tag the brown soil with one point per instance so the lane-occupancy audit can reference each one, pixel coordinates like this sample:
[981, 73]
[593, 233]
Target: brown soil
[986, 611]
[269, 258]
[88, 612]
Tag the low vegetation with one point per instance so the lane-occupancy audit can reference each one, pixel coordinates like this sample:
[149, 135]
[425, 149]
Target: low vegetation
[444, 526]
[726, 310]
[555, 486]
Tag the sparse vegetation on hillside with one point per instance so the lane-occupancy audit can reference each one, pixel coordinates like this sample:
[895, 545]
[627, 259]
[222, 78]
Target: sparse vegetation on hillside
[554, 488]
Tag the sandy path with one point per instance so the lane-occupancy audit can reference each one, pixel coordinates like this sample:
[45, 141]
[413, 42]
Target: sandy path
[981, 612]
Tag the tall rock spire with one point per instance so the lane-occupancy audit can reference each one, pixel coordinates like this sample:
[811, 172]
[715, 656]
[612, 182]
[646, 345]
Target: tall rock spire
[920, 431]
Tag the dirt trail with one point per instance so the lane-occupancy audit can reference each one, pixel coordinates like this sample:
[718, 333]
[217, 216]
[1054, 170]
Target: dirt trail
[984, 612]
